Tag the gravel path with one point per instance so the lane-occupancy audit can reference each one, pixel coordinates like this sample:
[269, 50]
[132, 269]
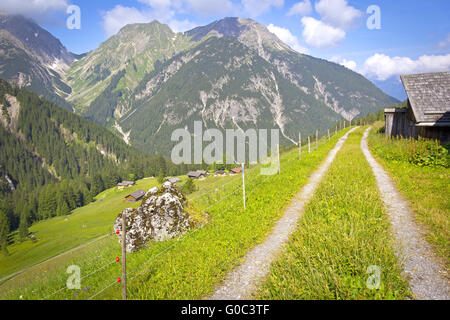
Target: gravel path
[426, 278]
[241, 282]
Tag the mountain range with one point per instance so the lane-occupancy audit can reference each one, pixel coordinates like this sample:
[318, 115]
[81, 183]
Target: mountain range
[147, 80]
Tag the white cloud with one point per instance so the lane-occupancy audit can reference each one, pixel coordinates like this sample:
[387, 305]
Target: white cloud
[181, 25]
[446, 43]
[255, 8]
[119, 16]
[287, 37]
[338, 13]
[164, 11]
[382, 67]
[349, 64]
[40, 10]
[300, 8]
[320, 35]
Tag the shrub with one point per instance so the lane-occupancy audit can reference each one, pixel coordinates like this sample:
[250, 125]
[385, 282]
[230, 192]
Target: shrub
[421, 152]
[188, 187]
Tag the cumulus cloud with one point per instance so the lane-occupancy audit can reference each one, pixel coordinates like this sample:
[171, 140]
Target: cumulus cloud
[255, 8]
[162, 10]
[119, 16]
[338, 13]
[320, 35]
[165, 11]
[349, 64]
[40, 10]
[382, 67]
[302, 8]
[181, 25]
[287, 37]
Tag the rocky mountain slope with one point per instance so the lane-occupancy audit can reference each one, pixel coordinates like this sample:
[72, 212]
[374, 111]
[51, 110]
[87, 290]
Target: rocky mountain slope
[146, 81]
[31, 57]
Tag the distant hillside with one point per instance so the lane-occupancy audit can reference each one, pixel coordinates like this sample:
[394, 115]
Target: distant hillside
[231, 73]
[147, 80]
[52, 161]
[32, 58]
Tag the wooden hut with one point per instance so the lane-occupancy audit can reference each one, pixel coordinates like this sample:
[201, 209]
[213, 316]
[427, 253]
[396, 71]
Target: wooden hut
[236, 170]
[135, 196]
[197, 174]
[427, 113]
[125, 184]
[174, 180]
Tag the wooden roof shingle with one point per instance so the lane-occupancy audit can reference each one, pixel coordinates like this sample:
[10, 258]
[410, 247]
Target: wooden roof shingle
[429, 97]
[137, 194]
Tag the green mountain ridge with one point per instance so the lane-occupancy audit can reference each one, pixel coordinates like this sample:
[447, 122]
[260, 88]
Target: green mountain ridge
[147, 80]
[53, 161]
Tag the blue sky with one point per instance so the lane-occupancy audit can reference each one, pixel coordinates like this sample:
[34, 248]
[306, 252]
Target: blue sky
[414, 35]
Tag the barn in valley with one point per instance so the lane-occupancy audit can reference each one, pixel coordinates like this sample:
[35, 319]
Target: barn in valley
[427, 113]
[125, 184]
[135, 196]
[197, 174]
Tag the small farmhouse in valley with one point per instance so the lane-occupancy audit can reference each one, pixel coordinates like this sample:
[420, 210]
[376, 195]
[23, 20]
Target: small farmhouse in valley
[135, 196]
[428, 108]
[125, 184]
[236, 170]
[174, 180]
[197, 174]
[220, 173]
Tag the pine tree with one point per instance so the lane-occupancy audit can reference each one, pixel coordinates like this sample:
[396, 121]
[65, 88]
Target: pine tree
[189, 187]
[23, 226]
[97, 185]
[161, 176]
[4, 231]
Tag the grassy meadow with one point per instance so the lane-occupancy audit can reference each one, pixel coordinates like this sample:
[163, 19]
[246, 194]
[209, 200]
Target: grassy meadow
[191, 266]
[343, 232]
[59, 234]
[421, 173]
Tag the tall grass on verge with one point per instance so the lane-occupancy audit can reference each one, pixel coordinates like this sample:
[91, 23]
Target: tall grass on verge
[189, 267]
[343, 232]
[421, 152]
[427, 187]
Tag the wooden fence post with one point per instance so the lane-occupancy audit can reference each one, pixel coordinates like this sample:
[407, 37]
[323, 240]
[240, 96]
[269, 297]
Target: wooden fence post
[278, 152]
[328, 134]
[309, 145]
[299, 146]
[124, 258]
[243, 183]
[317, 139]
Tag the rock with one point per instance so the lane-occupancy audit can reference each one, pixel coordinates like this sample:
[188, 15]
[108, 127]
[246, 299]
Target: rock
[160, 217]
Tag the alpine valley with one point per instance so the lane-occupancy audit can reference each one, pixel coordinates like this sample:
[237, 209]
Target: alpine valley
[147, 80]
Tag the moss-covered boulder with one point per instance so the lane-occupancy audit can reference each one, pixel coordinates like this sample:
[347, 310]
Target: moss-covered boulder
[161, 216]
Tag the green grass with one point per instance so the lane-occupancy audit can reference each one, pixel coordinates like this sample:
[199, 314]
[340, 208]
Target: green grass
[59, 234]
[343, 231]
[426, 187]
[190, 267]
